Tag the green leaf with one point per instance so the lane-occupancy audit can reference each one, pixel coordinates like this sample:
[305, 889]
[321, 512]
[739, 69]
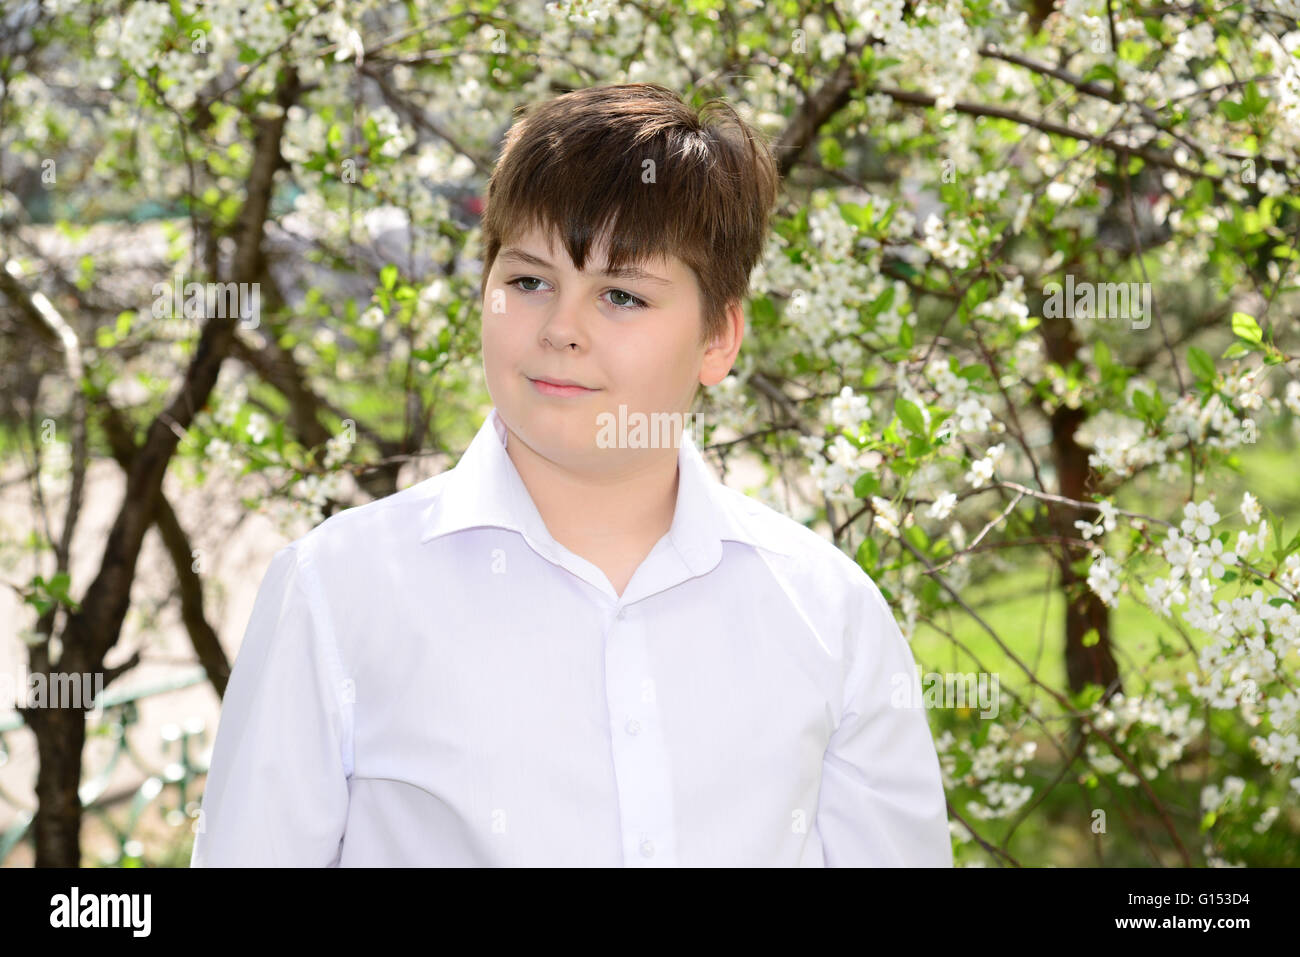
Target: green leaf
[370, 130]
[910, 415]
[832, 154]
[1101, 355]
[866, 486]
[902, 467]
[1293, 545]
[1245, 327]
[1201, 364]
[388, 276]
[1253, 101]
[1101, 71]
[856, 215]
[1203, 193]
[1236, 351]
[868, 555]
[1091, 637]
[916, 535]
[886, 217]
[930, 591]
[1233, 111]
[1087, 696]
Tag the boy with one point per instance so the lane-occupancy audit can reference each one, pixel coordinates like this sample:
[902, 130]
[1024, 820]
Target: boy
[577, 648]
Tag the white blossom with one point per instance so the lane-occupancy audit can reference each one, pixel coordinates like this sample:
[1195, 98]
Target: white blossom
[981, 471]
[942, 506]
[1198, 518]
[1103, 578]
[1250, 513]
[258, 427]
[849, 411]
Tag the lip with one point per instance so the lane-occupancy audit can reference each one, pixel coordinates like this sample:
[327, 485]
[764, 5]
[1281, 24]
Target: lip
[559, 387]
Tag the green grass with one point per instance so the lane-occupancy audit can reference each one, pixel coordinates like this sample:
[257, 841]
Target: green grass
[1026, 607]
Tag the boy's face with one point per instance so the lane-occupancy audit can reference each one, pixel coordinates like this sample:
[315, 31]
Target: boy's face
[631, 340]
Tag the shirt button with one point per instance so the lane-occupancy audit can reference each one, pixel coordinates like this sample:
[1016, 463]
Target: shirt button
[633, 726]
[647, 849]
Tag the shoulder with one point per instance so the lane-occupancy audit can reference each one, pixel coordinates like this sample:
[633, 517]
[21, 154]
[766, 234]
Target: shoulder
[363, 533]
[838, 601]
[809, 557]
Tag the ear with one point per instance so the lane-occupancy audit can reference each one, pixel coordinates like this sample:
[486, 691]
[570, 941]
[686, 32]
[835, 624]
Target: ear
[722, 351]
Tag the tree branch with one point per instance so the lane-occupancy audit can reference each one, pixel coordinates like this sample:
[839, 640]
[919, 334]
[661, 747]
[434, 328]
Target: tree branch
[96, 627]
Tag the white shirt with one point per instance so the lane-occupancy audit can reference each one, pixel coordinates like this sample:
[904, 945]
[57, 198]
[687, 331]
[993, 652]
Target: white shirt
[431, 679]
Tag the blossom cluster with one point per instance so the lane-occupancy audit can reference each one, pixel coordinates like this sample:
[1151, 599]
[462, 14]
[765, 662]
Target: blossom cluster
[990, 762]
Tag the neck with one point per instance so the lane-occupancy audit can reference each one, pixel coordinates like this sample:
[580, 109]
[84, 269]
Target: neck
[632, 504]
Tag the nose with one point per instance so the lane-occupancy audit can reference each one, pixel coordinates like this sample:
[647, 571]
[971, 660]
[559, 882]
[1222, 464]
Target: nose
[564, 327]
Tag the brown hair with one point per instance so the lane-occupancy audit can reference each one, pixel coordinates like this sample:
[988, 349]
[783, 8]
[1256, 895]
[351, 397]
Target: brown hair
[577, 164]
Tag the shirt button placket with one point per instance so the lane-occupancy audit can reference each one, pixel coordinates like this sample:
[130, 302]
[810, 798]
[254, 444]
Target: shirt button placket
[641, 767]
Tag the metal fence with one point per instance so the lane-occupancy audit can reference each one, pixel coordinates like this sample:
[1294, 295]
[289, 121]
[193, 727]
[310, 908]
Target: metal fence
[172, 790]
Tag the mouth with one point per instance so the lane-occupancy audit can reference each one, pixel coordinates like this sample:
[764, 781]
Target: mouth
[559, 387]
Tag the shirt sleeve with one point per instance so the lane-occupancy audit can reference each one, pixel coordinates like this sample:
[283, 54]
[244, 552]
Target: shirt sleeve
[277, 791]
[882, 800]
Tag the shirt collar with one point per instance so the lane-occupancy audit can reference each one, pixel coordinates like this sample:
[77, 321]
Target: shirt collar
[484, 489]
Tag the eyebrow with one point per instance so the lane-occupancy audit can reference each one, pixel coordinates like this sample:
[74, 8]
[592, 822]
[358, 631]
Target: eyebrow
[626, 272]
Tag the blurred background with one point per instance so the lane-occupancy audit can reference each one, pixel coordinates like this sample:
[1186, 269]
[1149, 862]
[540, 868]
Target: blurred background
[239, 272]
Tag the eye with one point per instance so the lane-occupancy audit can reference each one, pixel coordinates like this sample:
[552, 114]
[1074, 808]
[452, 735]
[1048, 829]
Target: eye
[632, 302]
[635, 304]
[515, 282]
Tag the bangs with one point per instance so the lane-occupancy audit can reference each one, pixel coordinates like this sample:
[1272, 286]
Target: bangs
[645, 205]
[635, 169]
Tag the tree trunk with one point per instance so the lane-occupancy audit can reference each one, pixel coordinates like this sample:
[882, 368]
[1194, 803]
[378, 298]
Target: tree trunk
[91, 632]
[1084, 610]
[60, 735]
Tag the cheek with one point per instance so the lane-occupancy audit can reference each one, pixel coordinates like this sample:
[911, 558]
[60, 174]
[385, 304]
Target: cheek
[655, 366]
[497, 304]
[497, 348]
[634, 361]
[498, 333]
